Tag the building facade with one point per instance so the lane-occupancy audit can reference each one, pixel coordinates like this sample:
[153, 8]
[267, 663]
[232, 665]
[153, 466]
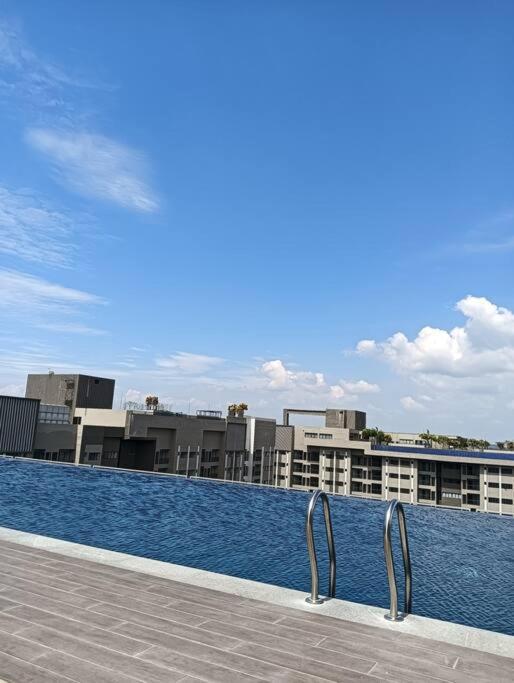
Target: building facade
[77, 424]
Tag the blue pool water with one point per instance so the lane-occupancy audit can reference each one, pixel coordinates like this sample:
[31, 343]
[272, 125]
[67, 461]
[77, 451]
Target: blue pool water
[463, 563]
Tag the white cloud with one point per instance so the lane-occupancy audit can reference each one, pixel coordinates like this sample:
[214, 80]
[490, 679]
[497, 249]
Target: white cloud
[305, 386]
[359, 387]
[189, 363]
[483, 346]
[409, 403]
[44, 304]
[12, 390]
[366, 346]
[74, 328]
[37, 83]
[32, 230]
[20, 291]
[279, 377]
[96, 166]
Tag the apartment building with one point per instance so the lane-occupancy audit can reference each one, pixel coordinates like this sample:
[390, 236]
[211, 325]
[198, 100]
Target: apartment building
[338, 461]
[76, 423]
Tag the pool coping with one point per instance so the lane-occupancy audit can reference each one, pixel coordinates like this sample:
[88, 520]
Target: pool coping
[443, 631]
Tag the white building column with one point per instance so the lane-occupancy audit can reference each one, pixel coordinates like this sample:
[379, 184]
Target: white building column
[500, 488]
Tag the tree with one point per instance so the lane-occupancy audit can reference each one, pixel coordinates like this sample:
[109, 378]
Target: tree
[426, 437]
[377, 435]
[443, 441]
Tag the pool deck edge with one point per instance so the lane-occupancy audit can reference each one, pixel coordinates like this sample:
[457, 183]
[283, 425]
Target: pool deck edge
[443, 631]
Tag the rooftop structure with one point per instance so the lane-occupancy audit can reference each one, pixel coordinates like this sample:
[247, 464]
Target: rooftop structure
[73, 391]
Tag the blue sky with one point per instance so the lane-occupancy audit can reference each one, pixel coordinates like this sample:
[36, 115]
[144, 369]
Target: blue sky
[287, 203]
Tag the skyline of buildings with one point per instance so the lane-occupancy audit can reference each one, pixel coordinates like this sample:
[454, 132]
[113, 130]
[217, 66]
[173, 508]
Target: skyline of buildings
[76, 424]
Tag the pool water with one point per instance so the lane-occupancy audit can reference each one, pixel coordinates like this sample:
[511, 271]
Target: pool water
[462, 562]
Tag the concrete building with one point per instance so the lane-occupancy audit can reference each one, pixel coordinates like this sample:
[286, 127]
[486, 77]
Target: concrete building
[338, 461]
[73, 391]
[79, 425]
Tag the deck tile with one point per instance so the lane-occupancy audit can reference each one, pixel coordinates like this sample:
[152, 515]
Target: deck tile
[70, 619]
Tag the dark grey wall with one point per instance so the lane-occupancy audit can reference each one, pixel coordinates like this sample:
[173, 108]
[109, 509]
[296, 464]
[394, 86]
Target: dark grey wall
[284, 438]
[18, 420]
[264, 434]
[55, 437]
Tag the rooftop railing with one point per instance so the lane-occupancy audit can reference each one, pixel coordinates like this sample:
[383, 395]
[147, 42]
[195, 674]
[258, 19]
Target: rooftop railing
[455, 453]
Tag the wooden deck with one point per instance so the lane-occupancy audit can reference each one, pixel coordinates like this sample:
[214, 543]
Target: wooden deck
[66, 619]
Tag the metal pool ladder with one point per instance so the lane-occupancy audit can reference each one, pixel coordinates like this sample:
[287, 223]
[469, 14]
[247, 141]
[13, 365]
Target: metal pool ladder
[394, 615]
[314, 598]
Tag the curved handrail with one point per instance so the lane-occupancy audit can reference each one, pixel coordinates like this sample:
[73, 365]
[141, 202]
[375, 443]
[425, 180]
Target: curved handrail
[314, 598]
[394, 615]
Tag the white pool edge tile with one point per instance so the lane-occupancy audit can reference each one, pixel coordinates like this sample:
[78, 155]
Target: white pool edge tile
[444, 631]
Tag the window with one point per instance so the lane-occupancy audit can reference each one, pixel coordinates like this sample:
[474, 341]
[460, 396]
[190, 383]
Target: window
[493, 485]
[357, 487]
[506, 501]
[162, 457]
[425, 494]
[471, 469]
[393, 489]
[326, 436]
[77, 420]
[506, 470]
[393, 475]
[472, 499]
[507, 487]
[471, 484]
[404, 490]
[311, 435]
[494, 500]
[404, 476]
[376, 488]
[425, 480]
[493, 470]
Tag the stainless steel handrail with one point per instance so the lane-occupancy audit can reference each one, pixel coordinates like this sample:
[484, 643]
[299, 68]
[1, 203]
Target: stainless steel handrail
[314, 598]
[394, 615]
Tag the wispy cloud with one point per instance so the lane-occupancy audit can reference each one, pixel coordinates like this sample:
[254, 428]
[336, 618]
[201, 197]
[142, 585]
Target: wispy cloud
[73, 328]
[35, 82]
[191, 363]
[495, 235]
[96, 166]
[491, 246]
[12, 390]
[21, 291]
[32, 230]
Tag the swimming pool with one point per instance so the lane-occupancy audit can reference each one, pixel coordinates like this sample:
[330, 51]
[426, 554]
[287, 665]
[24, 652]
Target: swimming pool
[463, 563]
